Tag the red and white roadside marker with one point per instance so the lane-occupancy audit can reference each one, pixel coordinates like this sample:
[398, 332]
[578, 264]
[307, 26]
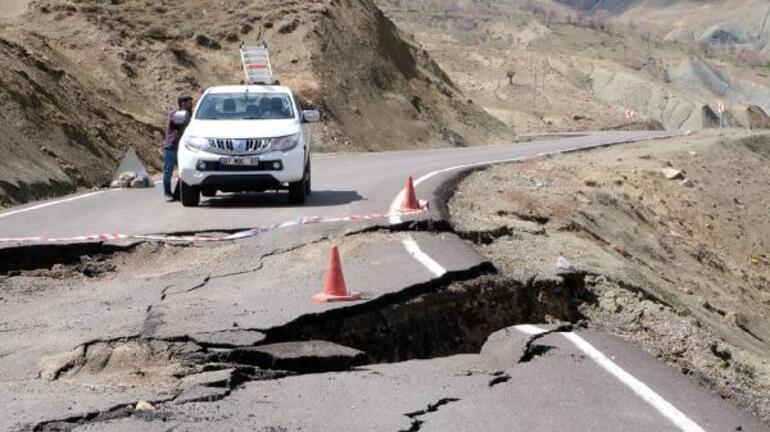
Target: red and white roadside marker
[721, 109]
[630, 115]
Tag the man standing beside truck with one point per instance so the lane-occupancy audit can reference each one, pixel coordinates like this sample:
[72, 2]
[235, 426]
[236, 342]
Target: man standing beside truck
[174, 131]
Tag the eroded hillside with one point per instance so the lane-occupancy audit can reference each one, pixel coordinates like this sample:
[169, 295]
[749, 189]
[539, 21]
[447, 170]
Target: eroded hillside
[57, 133]
[543, 66]
[744, 24]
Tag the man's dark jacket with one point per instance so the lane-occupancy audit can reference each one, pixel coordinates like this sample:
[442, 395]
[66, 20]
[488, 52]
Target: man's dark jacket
[174, 131]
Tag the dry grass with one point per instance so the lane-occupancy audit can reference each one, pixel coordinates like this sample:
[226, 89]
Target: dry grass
[306, 90]
[523, 200]
[560, 211]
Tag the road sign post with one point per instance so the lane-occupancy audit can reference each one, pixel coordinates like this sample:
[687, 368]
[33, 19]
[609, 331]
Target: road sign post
[721, 109]
[630, 115]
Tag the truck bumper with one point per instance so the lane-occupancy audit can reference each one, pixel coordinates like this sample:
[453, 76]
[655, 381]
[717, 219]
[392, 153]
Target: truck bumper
[275, 171]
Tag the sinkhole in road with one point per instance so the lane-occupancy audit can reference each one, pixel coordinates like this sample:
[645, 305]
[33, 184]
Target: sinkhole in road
[436, 319]
[42, 257]
[451, 315]
[97, 259]
[448, 315]
[447, 318]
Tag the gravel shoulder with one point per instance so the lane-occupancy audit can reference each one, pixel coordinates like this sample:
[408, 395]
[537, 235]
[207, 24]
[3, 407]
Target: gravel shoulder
[680, 266]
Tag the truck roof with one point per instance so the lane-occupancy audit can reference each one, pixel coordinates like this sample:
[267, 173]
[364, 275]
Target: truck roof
[249, 88]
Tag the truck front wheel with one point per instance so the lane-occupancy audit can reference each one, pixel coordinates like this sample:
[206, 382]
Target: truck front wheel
[190, 195]
[298, 190]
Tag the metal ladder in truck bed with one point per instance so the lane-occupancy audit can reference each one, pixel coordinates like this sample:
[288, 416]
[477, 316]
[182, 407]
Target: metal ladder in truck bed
[256, 65]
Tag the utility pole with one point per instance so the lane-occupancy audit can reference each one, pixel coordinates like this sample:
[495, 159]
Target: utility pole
[533, 69]
[625, 54]
[721, 109]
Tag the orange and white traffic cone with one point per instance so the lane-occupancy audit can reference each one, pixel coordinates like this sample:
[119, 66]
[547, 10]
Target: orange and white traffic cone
[410, 203]
[335, 289]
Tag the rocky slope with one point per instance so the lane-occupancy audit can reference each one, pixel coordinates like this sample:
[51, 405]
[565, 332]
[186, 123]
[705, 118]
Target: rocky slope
[57, 134]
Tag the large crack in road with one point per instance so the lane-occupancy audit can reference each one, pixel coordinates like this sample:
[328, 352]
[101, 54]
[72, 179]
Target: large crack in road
[417, 416]
[447, 315]
[482, 304]
[444, 316]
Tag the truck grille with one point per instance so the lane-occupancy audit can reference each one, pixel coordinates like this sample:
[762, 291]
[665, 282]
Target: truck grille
[239, 146]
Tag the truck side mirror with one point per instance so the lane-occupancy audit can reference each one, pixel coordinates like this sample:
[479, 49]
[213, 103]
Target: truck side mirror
[311, 116]
[180, 117]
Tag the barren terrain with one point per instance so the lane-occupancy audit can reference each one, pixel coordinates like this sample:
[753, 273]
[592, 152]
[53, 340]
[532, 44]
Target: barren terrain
[743, 22]
[680, 266]
[469, 310]
[580, 69]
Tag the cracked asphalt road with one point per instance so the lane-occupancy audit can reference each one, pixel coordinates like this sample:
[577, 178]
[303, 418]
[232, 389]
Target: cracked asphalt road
[164, 325]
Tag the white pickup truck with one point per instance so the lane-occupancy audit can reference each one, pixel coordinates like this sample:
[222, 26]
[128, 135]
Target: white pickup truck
[246, 138]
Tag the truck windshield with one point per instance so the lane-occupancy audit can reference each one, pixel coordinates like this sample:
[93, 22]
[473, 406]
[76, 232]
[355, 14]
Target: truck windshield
[245, 106]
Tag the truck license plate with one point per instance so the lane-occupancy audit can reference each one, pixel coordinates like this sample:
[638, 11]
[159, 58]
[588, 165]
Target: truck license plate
[239, 161]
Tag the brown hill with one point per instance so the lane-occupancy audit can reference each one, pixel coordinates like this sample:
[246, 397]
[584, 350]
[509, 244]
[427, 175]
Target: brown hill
[56, 134]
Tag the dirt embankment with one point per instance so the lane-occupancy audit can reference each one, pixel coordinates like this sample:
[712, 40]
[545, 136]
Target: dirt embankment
[110, 70]
[57, 134]
[680, 266]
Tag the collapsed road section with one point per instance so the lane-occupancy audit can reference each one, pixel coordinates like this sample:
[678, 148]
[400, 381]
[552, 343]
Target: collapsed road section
[202, 336]
[202, 349]
[672, 236]
[159, 328]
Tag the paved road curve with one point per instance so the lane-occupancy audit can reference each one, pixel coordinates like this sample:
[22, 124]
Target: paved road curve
[344, 184]
[588, 381]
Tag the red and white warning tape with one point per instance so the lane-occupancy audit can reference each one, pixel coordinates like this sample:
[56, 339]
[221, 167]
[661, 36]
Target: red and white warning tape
[306, 220]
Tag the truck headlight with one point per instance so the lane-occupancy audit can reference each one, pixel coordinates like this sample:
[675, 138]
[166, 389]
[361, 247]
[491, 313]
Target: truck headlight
[196, 143]
[285, 144]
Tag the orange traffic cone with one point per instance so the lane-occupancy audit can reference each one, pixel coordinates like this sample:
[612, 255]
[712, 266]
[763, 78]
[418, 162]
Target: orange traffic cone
[335, 289]
[410, 197]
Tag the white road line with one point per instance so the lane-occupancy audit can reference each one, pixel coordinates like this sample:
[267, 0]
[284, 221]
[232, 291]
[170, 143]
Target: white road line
[51, 203]
[396, 204]
[414, 249]
[641, 389]
[530, 329]
[638, 387]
